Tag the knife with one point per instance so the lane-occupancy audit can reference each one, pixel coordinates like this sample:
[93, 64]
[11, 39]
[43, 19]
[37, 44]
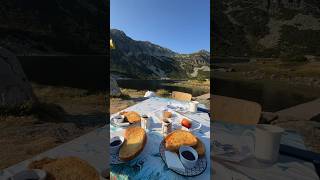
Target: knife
[204, 110]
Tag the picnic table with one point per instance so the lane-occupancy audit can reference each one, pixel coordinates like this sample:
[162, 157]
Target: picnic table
[149, 165]
[90, 147]
[286, 168]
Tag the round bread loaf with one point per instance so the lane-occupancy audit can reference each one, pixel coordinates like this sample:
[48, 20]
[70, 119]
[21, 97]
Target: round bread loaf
[135, 140]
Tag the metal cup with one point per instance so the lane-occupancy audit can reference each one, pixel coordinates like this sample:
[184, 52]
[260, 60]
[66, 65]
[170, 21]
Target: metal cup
[145, 122]
[166, 127]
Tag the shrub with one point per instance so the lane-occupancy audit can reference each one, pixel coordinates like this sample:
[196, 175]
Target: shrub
[163, 93]
[293, 58]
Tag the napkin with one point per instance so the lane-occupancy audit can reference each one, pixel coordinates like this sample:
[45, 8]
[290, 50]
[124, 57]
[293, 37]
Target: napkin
[173, 161]
[232, 147]
[150, 94]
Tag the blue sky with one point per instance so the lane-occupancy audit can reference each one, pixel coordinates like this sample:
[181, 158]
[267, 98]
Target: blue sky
[180, 25]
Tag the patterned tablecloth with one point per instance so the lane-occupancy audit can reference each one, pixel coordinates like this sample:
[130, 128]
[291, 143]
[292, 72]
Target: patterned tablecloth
[287, 168]
[149, 165]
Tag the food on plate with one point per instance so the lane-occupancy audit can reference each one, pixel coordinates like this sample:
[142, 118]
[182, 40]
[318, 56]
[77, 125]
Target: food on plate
[167, 114]
[186, 123]
[179, 138]
[71, 168]
[122, 113]
[38, 164]
[132, 116]
[200, 148]
[135, 140]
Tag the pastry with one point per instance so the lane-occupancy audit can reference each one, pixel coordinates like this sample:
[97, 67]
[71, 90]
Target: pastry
[179, 138]
[132, 117]
[200, 147]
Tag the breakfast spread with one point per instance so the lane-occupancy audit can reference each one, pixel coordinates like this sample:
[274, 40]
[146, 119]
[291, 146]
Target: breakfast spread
[181, 150]
[71, 168]
[136, 139]
[179, 138]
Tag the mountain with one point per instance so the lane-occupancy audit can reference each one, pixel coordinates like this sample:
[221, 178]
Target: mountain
[266, 28]
[130, 46]
[143, 59]
[53, 26]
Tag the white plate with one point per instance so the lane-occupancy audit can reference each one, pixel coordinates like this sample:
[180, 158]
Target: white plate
[29, 174]
[125, 124]
[200, 167]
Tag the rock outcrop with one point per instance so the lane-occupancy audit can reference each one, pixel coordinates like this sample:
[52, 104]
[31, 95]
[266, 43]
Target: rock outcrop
[15, 90]
[114, 88]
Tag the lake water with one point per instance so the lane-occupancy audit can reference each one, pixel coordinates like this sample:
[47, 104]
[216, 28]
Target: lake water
[272, 96]
[154, 85]
[90, 72]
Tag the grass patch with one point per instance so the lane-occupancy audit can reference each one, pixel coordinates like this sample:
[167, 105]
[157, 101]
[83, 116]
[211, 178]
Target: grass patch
[293, 59]
[163, 93]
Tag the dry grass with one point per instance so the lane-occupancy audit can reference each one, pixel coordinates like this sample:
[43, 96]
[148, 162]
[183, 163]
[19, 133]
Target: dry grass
[163, 93]
[311, 69]
[22, 137]
[204, 85]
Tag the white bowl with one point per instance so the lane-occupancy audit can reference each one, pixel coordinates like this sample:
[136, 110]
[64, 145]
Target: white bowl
[115, 149]
[118, 118]
[188, 163]
[30, 174]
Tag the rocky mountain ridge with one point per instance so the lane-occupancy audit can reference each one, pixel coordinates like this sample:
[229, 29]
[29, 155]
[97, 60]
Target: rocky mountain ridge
[142, 59]
[266, 28]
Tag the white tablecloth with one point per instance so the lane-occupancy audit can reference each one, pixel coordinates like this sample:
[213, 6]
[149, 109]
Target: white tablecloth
[149, 165]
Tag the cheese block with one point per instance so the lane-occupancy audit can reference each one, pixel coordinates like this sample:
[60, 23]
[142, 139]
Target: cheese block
[135, 140]
[178, 138]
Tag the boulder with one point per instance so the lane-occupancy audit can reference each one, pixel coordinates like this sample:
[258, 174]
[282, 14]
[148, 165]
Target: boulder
[114, 88]
[268, 117]
[15, 90]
